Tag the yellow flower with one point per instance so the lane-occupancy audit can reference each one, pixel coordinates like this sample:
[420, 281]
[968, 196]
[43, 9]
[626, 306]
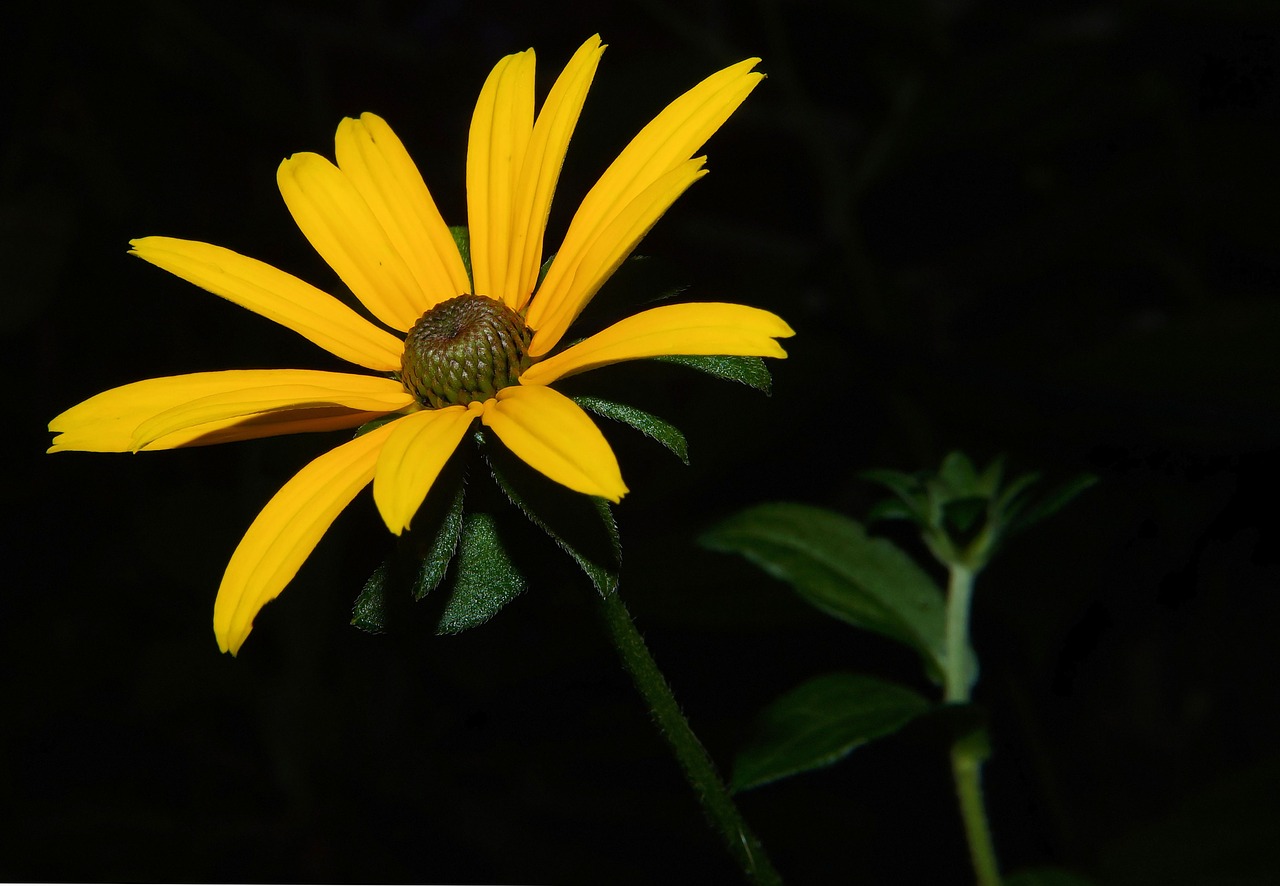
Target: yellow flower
[373, 220]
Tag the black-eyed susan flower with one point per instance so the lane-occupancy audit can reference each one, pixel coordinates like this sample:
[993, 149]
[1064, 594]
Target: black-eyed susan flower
[465, 347]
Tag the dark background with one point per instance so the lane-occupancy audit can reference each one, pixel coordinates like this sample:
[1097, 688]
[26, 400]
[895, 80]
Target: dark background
[1048, 231]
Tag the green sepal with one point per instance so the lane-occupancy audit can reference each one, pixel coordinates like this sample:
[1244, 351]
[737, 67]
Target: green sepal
[462, 239]
[650, 425]
[485, 578]
[833, 564]
[820, 723]
[374, 424]
[581, 525]
[750, 371]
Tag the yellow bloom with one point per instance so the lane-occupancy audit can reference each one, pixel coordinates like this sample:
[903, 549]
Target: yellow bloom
[372, 219]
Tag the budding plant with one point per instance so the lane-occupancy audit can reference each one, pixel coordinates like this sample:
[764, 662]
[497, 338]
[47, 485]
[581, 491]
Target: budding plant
[964, 517]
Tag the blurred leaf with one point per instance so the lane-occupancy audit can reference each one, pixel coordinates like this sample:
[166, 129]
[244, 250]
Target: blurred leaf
[961, 517]
[649, 425]
[1052, 502]
[831, 562]
[890, 509]
[582, 525]
[749, 371]
[958, 474]
[1047, 877]
[485, 581]
[820, 723]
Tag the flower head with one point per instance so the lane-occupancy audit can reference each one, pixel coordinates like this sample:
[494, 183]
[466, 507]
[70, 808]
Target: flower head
[466, 347]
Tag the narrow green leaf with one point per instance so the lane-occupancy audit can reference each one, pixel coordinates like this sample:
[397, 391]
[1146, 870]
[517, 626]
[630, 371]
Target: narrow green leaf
[820, 723]
[376, 423]
[485, 579]
[370, 610]
[1054, 501]
[650, 425]
[581, 525]
[542, 270]
[1047, 877]
[439, 552]
[832, 563]
[889, 509]
[462, 237]
[749, 371]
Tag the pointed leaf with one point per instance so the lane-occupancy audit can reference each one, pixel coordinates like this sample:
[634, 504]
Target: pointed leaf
[462, 237]
[370, 610]
[890, 509]
[749, 371]
[1054, 501]
[958, 474]
[582, 525]
[486, 580]
[820, 723]
[832, 563]
[650, 425]
[444, 543]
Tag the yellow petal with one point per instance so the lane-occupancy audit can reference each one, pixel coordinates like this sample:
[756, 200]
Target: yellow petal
[277, 296]
[412, 458]
[611, 249]
[109, 421]
[287, 530]
[332, 215]
[278, 391]
[541, 167]
[669, 140]
[700, 328]
[553, 435]
[379, 167]
[500, 130]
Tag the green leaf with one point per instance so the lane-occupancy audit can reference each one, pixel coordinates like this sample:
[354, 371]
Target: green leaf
[890, 509]
[439, 552]
[832, 563]
[582, 525]
[958, 474]
[374, 424]
[1046, 877]
[485, 581]
[542, 269]
[650, 425]
[820, 723]
[1053, 502]
[749, 371]
[370, 610]
[462, 237]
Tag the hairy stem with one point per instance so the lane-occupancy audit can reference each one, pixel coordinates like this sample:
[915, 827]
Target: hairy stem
[701, 773]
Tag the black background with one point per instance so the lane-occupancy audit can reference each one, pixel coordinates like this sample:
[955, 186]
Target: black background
[1048, 231]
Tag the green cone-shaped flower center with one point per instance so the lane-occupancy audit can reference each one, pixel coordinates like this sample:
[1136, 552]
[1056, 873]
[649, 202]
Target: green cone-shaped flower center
[464, 349]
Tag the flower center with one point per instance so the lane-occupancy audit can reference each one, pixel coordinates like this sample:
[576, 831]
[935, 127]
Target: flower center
[464, 349]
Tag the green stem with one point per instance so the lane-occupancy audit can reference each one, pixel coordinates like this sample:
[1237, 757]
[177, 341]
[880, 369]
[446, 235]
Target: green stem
[959, 593]
[694, 760]
[968, 751]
